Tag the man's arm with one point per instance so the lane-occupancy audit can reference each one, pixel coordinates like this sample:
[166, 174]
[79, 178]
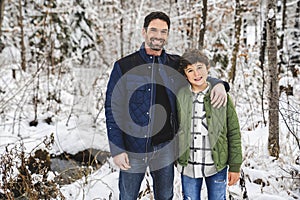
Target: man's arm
[218, 93]
[114, 133]
[214, 81]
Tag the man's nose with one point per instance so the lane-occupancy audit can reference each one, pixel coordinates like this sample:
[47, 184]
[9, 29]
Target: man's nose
[159, 33]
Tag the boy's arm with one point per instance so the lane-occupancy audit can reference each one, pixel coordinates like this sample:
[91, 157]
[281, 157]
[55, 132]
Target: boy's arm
[235, 157]
[218, 93]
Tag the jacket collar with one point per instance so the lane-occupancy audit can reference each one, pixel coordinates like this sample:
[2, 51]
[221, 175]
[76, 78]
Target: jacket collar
[187, 90]
[149, 58]
[204, 92]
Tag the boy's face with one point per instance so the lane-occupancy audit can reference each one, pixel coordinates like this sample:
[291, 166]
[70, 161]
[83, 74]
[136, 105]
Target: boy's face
[197, 74]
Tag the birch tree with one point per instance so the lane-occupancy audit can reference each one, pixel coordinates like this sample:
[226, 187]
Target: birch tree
[273, 140]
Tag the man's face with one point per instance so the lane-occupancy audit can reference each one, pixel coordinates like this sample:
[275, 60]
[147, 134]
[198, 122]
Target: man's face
[156, 34]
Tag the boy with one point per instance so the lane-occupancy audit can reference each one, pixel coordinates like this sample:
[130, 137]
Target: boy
[209, 138]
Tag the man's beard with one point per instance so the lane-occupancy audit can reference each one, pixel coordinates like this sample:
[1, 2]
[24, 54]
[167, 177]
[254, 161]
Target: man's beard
[156, 47]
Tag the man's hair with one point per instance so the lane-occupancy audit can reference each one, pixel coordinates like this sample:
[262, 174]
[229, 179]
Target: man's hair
[156, 15]
[190, 57]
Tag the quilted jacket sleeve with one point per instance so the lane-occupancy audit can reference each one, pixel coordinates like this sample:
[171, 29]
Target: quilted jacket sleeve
[234, 138]
[112, 105]
[183, 108]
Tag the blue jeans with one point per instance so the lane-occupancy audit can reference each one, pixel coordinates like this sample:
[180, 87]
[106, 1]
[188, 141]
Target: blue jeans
[162, 175]
[216, 186]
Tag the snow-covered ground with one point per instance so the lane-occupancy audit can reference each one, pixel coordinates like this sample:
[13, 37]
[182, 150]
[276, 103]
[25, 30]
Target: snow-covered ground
[103, 183]
[265, 177]
[75, 129]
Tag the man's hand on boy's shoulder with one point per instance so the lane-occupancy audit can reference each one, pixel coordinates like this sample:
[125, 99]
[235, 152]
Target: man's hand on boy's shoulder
[218, 96]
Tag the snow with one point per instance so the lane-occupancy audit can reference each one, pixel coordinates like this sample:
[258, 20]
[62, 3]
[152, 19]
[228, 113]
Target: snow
[103, 183]
[74, 131]
[271, 13]
[77, 128]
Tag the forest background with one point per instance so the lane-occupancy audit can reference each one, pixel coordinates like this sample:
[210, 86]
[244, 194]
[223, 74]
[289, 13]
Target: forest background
[55, 60]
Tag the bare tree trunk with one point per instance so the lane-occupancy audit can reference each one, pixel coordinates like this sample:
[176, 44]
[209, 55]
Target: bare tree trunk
[273, 145]
[1, 14]
[237, 27]
[262, 67]
[280, 46]
[203, 25]
[36, 102]
[297, 20]
[1, 19]
[245, 25]
[192, 33]
[295, 50]
[283, 23]
[188, 23]
[121, 31]
[23, 58]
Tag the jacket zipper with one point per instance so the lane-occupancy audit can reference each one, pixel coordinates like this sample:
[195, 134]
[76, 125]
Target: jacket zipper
[150, 109]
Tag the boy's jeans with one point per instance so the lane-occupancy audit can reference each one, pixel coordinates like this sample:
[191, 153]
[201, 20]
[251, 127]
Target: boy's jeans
[216, 186]
[161, 165]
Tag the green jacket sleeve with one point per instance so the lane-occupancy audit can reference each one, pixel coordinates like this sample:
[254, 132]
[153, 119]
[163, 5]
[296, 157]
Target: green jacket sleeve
[234, 138]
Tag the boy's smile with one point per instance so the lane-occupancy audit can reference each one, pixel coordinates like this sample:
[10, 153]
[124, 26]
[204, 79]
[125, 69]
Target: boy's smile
[197, 74]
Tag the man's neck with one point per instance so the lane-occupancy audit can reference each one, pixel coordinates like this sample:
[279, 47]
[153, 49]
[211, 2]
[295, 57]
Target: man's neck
[152, 52]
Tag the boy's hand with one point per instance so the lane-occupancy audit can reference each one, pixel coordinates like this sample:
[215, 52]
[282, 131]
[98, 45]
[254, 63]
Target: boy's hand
[218, 96]
[233, 177]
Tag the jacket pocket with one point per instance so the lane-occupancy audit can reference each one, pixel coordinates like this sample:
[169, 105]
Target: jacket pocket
[136, 90]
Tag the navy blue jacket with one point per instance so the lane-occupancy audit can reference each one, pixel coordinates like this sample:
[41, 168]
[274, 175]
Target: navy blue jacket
[130, 97]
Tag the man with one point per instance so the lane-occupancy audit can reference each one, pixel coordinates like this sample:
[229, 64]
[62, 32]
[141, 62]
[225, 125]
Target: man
[140, 109]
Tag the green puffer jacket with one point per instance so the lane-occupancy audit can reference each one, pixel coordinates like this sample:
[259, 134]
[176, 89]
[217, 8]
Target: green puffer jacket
[223, 130]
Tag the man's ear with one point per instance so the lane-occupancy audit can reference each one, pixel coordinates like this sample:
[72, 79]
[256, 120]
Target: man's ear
[144, 31]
